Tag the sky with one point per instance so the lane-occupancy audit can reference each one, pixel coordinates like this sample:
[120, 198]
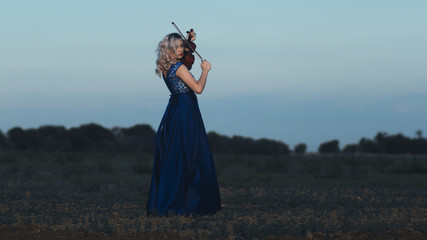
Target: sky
[305, 71]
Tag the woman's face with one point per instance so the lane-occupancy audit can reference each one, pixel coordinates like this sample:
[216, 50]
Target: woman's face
[179, 53]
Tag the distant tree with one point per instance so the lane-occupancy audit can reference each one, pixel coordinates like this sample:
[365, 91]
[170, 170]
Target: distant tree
[96, 132]
[219, 144]
[90, 137]
[397, 144]
[17, 138]
[79, 141]
[351, 148]
[143, 130]
[242, 145]
[24, 139]
[329, 147]
[418, 146]
[394, 144]
[300, 148]
[419, 133]
[368, 146]
[381, 142]
[136, 138]
[118, 132]
[33, 138]
[52, 132]
[271, 147]
[3, 141]
[53, 138]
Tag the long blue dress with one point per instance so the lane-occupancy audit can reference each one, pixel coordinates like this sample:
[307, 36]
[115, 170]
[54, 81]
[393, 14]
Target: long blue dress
[184, 179]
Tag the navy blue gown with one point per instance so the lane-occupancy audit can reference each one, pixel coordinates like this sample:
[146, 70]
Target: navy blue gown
[184, 180]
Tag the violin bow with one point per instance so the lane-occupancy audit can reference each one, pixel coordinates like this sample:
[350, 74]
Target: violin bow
[180, 33]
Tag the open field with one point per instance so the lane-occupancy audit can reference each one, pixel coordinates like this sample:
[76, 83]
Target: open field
[97, 195]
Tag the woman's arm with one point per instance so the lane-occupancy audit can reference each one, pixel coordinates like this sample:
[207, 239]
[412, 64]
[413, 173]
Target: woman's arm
[188, 79]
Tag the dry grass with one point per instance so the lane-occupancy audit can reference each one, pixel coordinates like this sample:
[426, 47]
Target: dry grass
[101, 196]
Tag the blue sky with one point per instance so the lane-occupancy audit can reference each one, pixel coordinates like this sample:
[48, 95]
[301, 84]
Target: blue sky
[296, 71]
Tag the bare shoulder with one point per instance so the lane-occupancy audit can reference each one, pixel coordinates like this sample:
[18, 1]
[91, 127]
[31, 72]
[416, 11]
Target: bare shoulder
[182, 69]
[183, 72]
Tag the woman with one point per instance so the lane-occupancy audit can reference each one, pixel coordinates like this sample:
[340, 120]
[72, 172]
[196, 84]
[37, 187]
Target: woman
[184, 178]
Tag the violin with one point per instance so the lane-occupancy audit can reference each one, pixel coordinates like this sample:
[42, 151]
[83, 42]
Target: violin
[189, 47]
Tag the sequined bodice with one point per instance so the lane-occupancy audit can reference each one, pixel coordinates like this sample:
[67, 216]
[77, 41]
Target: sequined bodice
[174, 83]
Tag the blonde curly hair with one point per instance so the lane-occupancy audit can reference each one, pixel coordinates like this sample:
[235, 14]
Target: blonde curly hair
[165, 49]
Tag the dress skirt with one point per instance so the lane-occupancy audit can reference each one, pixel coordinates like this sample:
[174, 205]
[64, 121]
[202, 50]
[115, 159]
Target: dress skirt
[184, 179]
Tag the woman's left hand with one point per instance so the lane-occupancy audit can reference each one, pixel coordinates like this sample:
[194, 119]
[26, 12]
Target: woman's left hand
[205, 65]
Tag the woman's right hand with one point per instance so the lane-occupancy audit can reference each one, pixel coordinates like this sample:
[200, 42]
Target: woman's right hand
[188, 78]
[205, 65]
